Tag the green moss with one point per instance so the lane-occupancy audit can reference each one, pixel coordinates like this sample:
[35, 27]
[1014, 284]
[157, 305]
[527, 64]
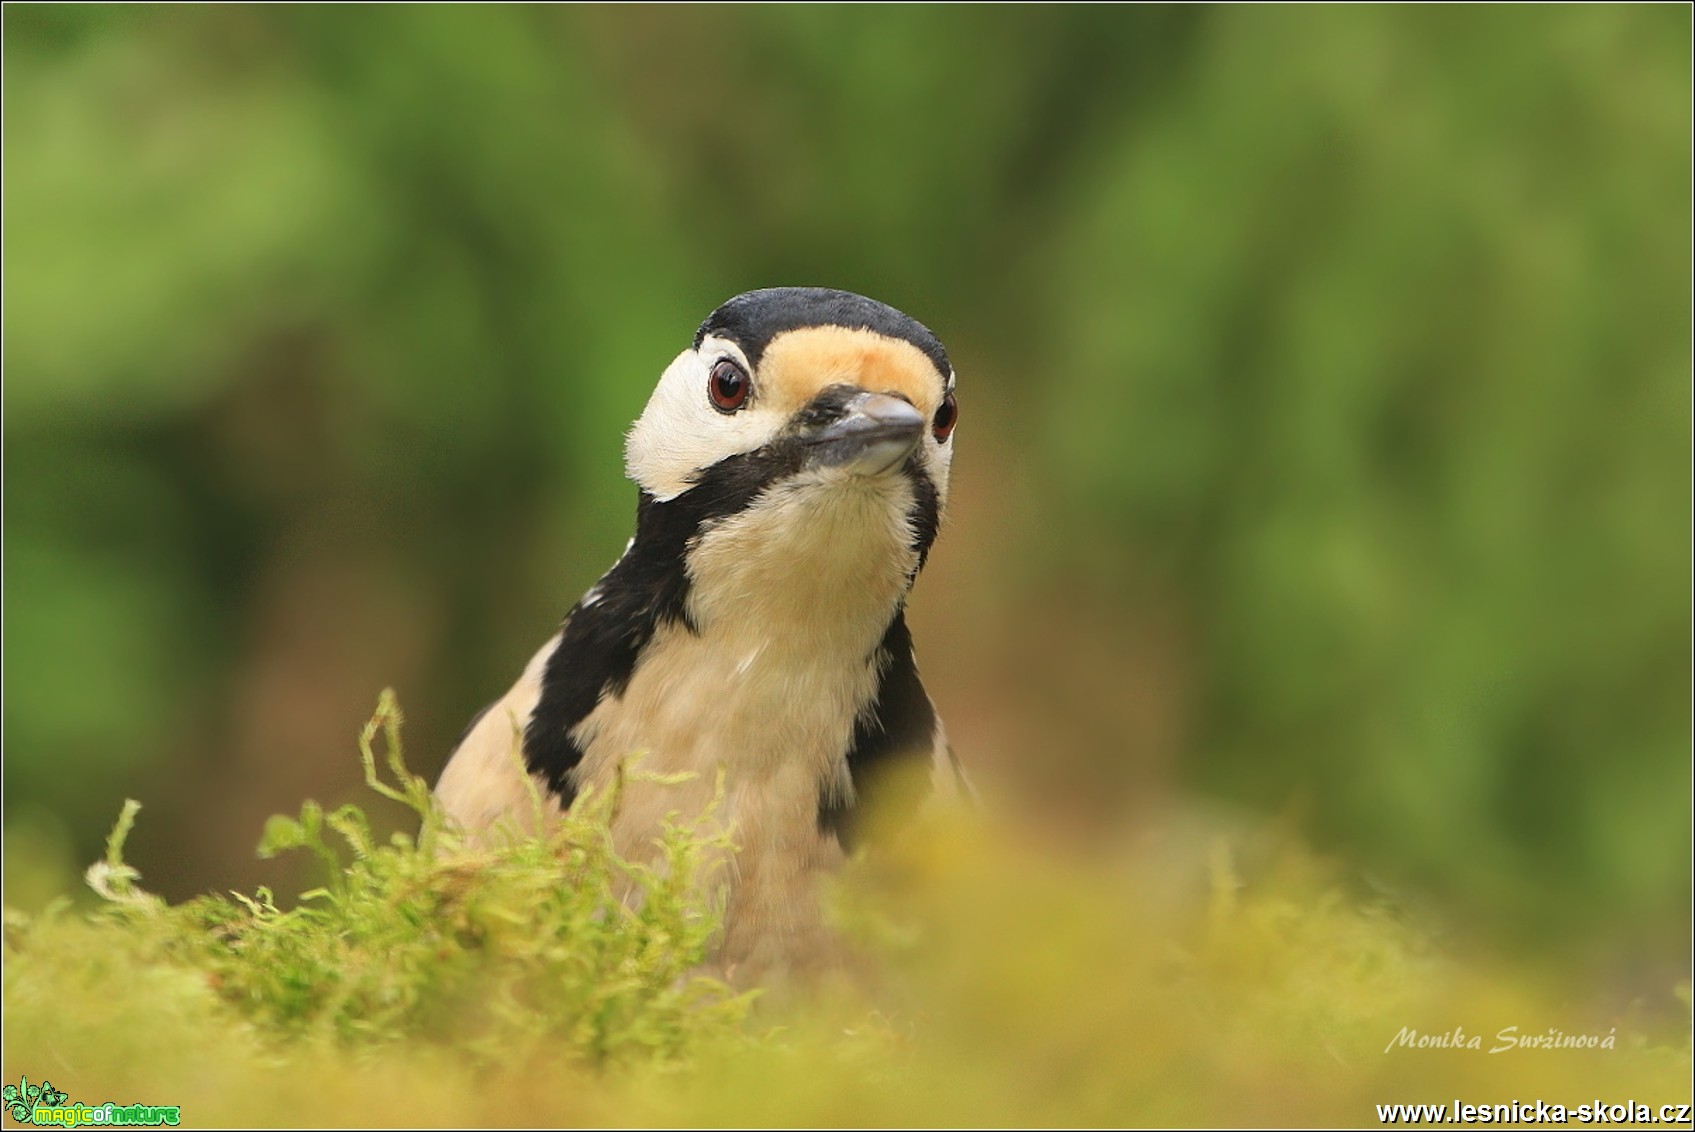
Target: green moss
[436, 981]
[437, 938]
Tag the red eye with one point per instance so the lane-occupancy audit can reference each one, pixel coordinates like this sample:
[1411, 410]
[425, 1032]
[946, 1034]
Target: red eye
[946, 416]
[729, 386]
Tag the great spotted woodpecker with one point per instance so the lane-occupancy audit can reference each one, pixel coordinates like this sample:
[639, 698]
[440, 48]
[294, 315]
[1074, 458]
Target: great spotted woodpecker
[793, 467]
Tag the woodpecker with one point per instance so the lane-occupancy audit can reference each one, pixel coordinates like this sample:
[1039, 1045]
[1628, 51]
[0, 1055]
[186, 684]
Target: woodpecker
[793, 468]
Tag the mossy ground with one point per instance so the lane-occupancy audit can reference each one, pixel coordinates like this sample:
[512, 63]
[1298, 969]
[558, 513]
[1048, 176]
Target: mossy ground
[431, 981]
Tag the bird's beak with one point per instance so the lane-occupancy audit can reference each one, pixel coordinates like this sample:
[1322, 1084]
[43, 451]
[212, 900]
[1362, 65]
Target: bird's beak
[874, 433]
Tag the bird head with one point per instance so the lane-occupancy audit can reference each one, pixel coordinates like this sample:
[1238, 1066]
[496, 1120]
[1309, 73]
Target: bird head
[801, 389]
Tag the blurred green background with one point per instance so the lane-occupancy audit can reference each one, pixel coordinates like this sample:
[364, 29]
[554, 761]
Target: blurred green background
[1325, 382]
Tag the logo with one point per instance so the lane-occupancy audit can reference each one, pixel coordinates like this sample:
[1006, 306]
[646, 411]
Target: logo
[44, 1106]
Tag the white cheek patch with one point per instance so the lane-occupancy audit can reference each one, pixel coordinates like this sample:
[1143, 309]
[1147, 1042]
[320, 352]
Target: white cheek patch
[680, 432]
[938, 461]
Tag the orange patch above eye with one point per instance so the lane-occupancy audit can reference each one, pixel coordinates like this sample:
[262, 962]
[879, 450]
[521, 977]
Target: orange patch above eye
[798, 364]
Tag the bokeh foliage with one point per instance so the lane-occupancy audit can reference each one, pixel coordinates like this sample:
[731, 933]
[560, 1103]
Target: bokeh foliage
[1325, 378]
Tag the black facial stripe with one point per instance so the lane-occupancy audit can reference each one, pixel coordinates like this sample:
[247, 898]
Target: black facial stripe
[753, 319]
[925, 516]
[897, 728]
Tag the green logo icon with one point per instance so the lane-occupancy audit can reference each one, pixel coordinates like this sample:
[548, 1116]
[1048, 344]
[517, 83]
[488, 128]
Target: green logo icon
[43, 1105]
[21, 1099]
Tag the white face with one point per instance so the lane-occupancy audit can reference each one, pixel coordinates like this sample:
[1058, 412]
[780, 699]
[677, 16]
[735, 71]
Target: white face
[682, 431]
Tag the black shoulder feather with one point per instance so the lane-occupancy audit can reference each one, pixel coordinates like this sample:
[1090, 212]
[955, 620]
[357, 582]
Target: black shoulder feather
[897, 729]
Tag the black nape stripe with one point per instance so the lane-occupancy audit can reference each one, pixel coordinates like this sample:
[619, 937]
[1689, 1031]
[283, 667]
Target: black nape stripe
[753, 319]
[898, 729]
